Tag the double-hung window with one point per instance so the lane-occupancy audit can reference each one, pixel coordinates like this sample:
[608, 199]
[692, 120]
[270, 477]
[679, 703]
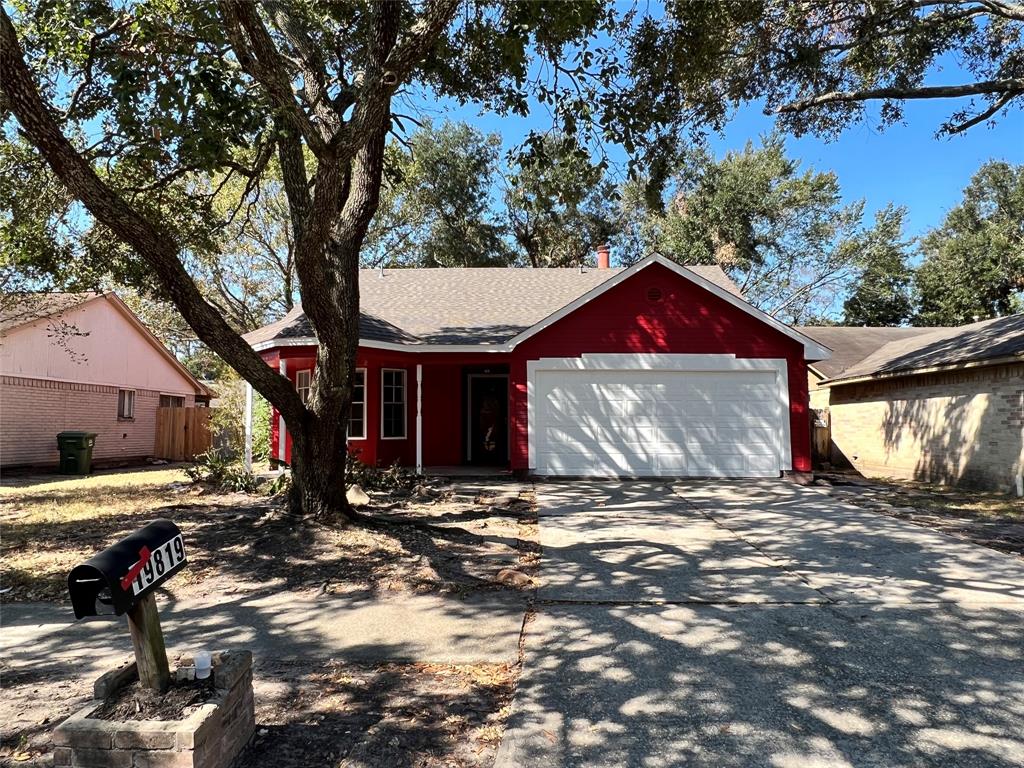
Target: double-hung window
[357, 411]
[392, 404]
[126, 403]
[302, 384]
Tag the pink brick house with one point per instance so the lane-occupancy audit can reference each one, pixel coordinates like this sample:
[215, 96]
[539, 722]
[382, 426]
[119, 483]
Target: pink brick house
[84, 361]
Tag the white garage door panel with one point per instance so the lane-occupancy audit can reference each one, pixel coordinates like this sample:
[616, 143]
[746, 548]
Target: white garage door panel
[657, 423]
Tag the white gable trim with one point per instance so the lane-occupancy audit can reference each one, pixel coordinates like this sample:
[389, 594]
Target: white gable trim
[812, 349]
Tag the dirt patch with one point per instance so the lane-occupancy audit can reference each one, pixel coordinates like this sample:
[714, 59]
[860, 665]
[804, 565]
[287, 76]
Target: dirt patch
[454, 541]
[386, 715]
[992, 520]
[379, 716]
[134, 702]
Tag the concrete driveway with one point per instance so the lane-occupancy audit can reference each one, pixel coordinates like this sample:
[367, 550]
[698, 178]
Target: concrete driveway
[760, 623]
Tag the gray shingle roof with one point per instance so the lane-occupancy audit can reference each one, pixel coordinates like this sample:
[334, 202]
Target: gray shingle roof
[482, 305]
[994, 339]
[850, 345]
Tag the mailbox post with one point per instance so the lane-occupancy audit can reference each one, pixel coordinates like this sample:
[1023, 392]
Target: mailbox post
[122, 579]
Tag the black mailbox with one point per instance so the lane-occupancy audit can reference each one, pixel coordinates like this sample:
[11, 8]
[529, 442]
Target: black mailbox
[113, 580]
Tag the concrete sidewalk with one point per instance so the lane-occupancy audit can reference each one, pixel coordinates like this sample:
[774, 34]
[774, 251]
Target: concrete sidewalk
[424, 628]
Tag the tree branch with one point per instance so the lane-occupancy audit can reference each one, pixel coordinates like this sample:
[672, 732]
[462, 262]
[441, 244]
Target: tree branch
[314, 71]
[156, 246]
[258, 56]
[1001, 102]
[387, 73]
[1009, 86]
[1012, 11]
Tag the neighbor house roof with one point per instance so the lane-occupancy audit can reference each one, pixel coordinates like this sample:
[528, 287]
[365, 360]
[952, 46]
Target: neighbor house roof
[23, 308]
[851, 344]
[986, 342]
[451, 305]
[27, 308]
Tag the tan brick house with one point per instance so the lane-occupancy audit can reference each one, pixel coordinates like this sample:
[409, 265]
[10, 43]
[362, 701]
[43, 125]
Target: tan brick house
[939, 404]
[83, 361]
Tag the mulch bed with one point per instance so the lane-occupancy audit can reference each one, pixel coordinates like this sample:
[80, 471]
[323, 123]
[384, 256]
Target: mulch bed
[319, 714]
[134, 702]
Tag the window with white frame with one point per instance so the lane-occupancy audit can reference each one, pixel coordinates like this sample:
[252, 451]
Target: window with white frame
[392, 403]
[357, 411]
[302, 383]
[126, 403]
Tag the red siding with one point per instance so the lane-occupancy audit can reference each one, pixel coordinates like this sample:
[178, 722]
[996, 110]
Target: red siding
[687, 320]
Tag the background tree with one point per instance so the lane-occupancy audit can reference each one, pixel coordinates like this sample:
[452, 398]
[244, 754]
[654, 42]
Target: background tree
[252, 274]
[437, 210]
[973, 263]
[882, 292]
[780, 232]
[559, 204]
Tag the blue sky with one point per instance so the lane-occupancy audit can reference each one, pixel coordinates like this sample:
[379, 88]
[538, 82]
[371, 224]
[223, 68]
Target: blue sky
[904, 164]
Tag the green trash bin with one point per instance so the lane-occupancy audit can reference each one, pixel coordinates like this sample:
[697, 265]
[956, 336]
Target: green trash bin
[76, 452]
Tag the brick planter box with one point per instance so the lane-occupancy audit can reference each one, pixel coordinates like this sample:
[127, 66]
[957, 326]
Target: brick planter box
[211, 737]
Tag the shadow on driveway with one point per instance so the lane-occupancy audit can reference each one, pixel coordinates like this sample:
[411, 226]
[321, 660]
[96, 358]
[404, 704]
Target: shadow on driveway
[909, 653]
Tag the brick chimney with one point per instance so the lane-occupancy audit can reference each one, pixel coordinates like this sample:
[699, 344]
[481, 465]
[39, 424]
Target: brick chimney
[603, 256]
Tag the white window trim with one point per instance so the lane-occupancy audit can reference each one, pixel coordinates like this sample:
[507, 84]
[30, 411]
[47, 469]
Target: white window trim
[363, 436]
[663, 362]
[309, 382]
[119, 414]
[405, 403]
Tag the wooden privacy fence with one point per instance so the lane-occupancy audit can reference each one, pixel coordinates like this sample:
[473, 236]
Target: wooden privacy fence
[182, 433]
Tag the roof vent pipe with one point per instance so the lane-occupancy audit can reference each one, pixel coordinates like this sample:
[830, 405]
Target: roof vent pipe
[603, 256]
[382, 270]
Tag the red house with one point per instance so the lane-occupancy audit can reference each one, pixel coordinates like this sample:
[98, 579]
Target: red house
[652, 370]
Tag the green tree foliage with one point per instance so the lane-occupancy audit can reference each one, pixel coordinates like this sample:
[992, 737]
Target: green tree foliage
[780, 232]
[251, 275]
[974, 262]
[559, 203]
[436, 209]
[882, 292]
[819, 64]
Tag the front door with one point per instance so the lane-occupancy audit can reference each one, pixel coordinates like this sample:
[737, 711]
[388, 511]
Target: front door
[487, 419]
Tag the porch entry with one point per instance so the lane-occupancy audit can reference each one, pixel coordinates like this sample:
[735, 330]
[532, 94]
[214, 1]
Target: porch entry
[486, 417]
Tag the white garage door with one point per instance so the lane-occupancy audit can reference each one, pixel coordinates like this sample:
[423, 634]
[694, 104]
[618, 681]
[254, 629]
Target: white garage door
[662, 422]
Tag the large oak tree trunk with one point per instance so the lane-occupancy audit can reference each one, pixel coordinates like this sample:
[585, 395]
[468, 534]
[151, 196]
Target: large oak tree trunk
[319, 440]
[318, 471]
